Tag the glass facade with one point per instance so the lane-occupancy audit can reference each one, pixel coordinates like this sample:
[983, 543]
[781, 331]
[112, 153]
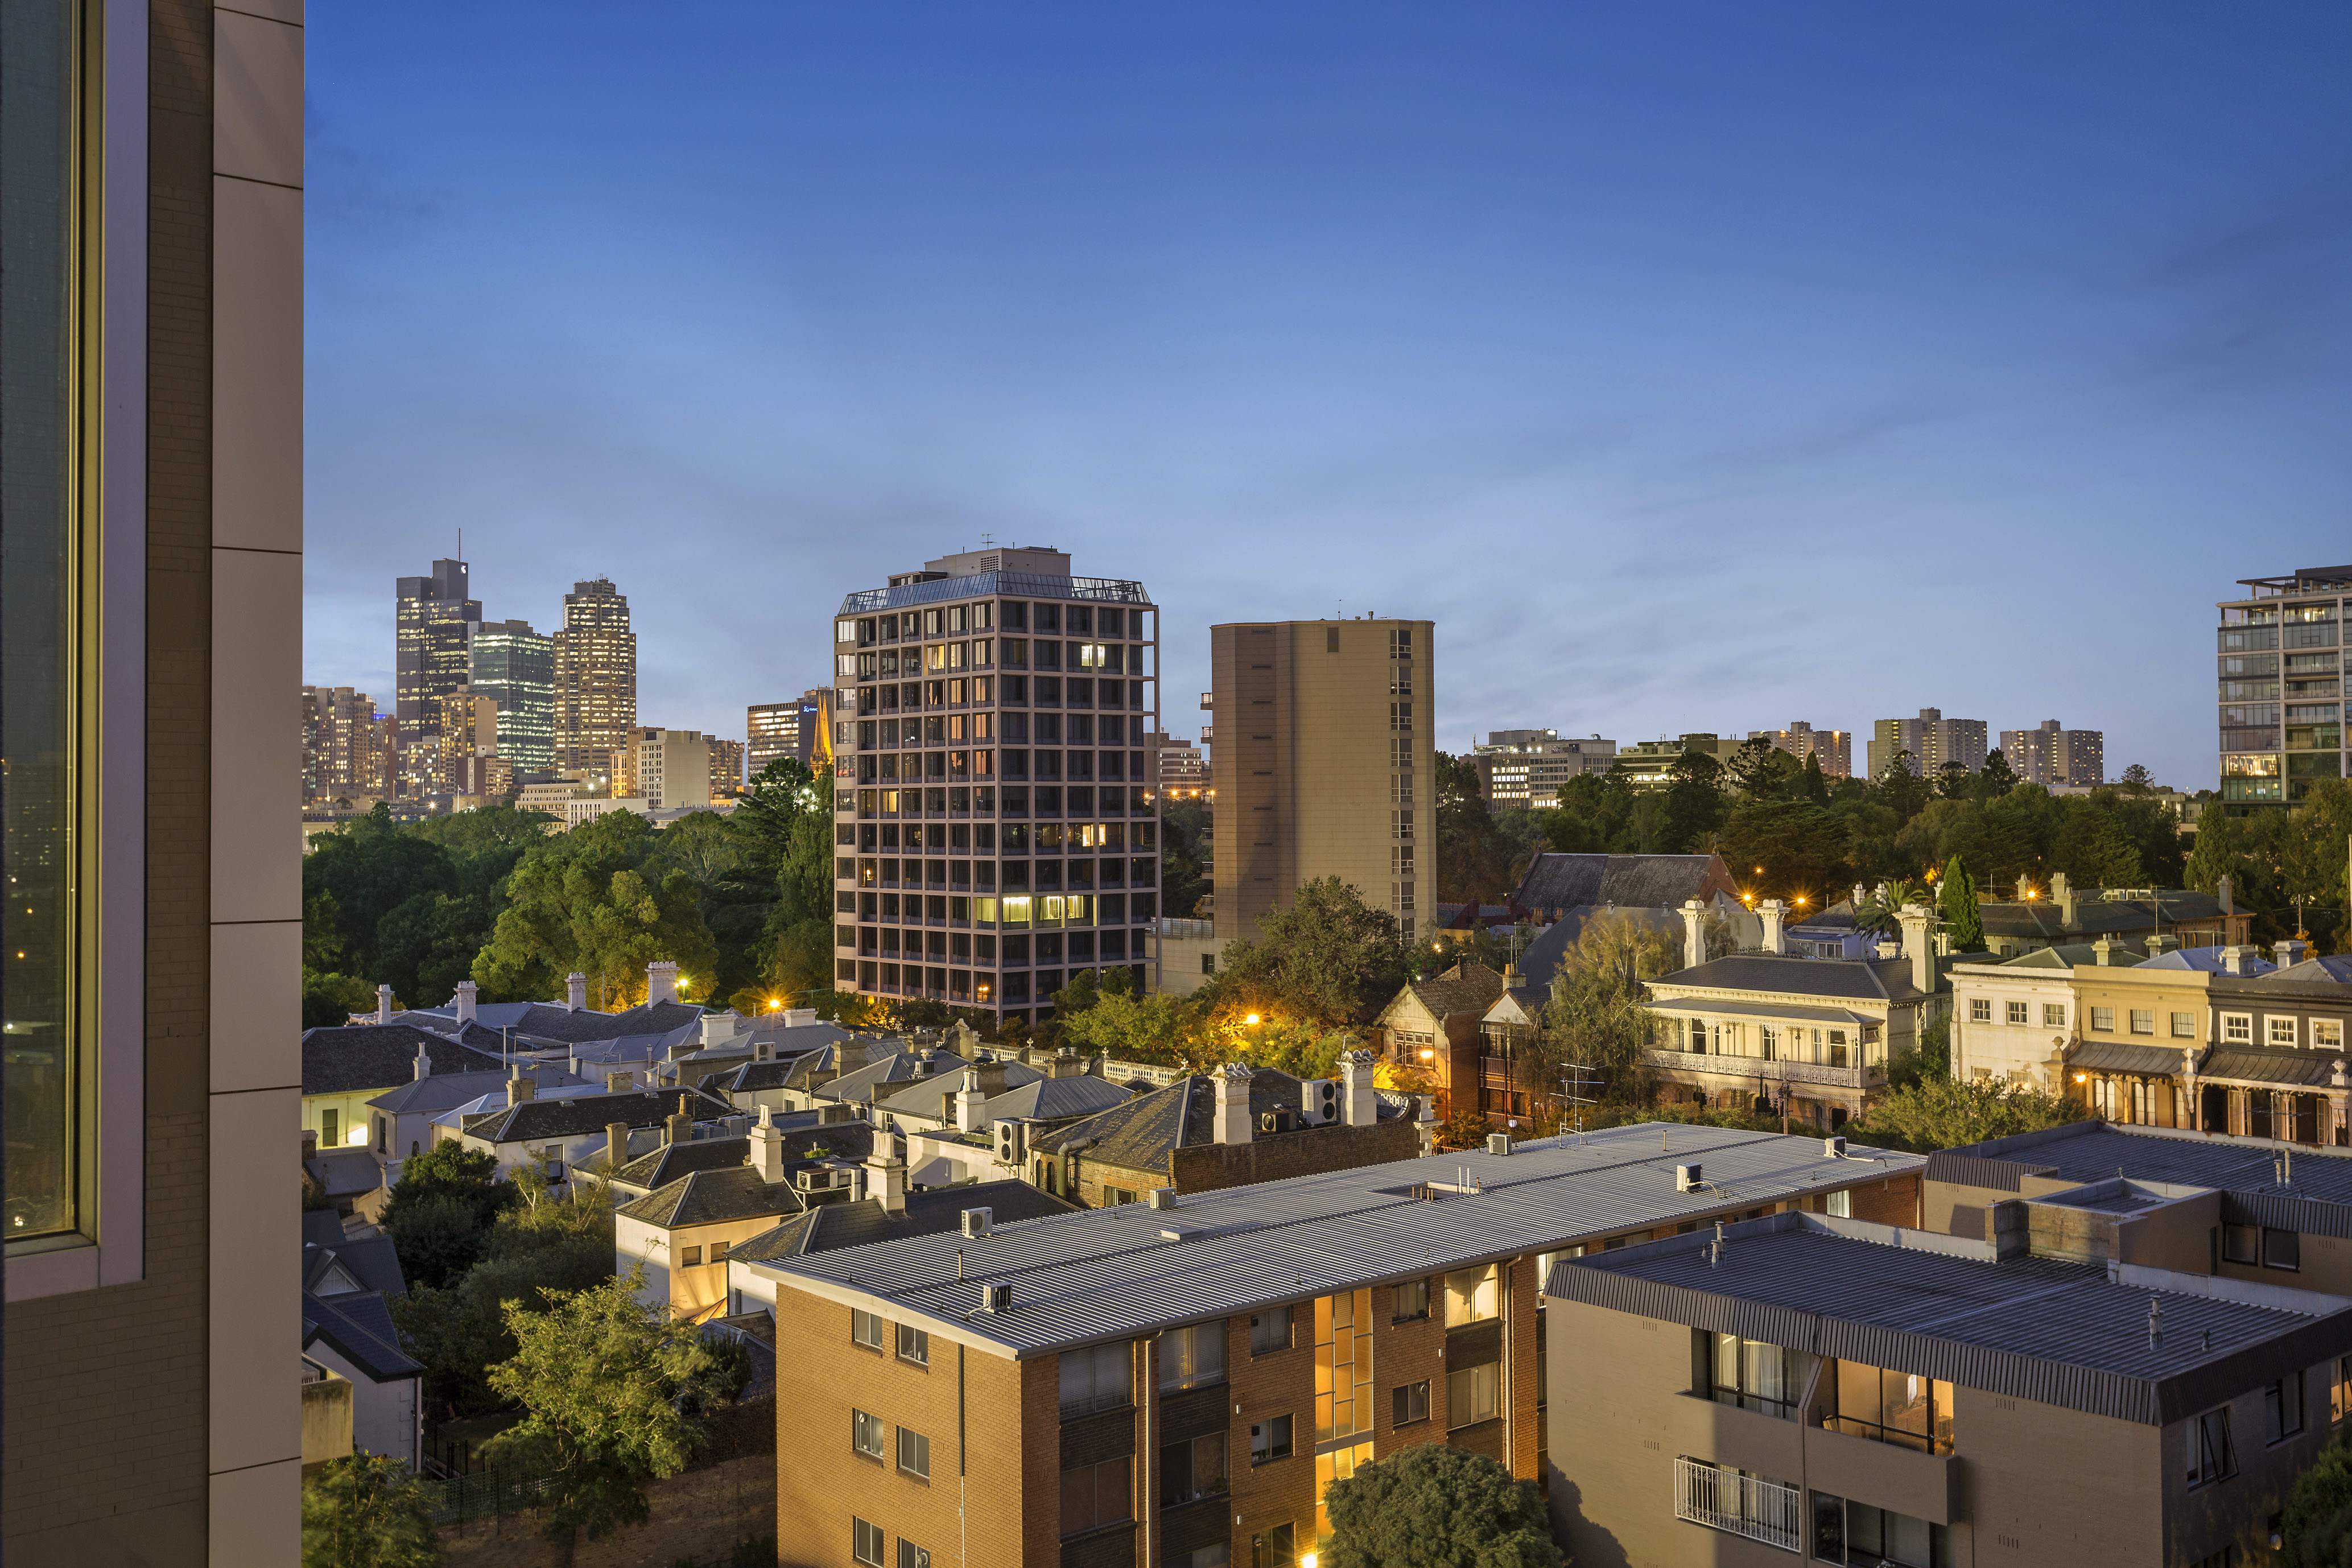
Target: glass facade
[43, 709]
[1343, 1365]
[2280, 724]
[515, 667]
[996, 829]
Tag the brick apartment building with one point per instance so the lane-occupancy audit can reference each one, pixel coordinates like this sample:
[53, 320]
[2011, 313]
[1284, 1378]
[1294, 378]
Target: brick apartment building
[1852, 1392]
[1176, 1386]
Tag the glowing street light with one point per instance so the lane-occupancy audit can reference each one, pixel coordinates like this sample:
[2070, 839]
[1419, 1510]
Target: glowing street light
[1251, 1020]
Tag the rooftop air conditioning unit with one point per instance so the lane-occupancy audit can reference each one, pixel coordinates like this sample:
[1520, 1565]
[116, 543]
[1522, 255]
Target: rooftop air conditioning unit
[1319, 1100]
[1687, 1179]
[1833, 1148]
[1276, 1120]
[1163, 1197]
[976, 1223]
[1011, 1143]
[1498, 1143]
[995, 1298]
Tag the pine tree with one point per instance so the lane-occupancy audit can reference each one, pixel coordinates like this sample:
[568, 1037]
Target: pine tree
[1957, 903]
[1815, 783]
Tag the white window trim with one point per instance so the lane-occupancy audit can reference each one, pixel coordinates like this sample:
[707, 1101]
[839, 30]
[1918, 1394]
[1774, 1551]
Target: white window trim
[2245, 1019]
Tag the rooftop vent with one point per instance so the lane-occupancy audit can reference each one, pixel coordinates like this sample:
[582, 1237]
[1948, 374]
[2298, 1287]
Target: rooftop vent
[1687, 1179]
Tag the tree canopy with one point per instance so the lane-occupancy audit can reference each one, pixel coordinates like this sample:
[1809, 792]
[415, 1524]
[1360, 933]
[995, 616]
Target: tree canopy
[365, 1512]
[1436, 1505]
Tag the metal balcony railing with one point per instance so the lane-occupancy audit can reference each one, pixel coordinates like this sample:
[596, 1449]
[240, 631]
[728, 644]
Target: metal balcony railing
[1739, 1505]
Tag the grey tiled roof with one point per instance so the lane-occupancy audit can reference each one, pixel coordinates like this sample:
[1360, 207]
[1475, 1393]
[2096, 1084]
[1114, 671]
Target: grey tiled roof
[1540, 962]
[442, 1090]
[548, 1021]
[371, 1261]
[1057, 1100]
[2095, 915]
[934, 1096]
[829, 1228]
[870, 1083]
[673, 1161]
[1850, 979]
[1110, 1273]
[1940, 1306]
[1139, 1133]
[346, 1059]
[706, 1197]
[360, 1329]
[568, 1118]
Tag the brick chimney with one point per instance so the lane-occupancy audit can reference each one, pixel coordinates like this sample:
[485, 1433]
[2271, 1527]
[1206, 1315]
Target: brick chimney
[661, 981]
[520, 1087]
[466, 990]
[575, 992]
[1359, 1102]
[768, 1148]
[1694, 933]
[616, 1146]
[1233, 1087]
[887, 1173]
[619, 1083]
[971, 1103]
[1067, 1064]
[678, 1126]
[383, 1003]
[1772, 912]
[2228, 896]
[1916, 920]
[2062, 893]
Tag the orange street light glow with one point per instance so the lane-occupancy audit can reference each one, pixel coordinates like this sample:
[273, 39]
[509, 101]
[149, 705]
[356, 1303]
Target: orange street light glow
[1251, 1020]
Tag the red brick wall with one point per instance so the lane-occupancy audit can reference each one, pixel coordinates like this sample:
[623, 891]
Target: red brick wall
[1894, 1201]
[1311, 1151]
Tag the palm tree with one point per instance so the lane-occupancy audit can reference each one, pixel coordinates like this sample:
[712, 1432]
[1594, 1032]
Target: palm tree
[1877, 914]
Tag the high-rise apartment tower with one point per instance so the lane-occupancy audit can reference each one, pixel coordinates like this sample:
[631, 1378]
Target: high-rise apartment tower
[1833, 748]
[1324, 766]
[596, 679]
[2049, 755]
[2282, 687]
[432, 622]
[1933, 740]
[996, 832]
[666, 768]
[515, 667]
[340, 753]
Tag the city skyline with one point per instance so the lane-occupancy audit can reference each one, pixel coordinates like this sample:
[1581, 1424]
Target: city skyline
[2004, 396]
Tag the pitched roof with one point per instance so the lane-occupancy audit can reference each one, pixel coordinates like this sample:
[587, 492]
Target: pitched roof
[2096, 1151]
[2063, 957]
[2095, 914]
[347, 1059]
[828, 1227]
[673, 1162]
[2208, 960]
[360, 1329]
[868, 1083]
[552, 1021]
[1944, 1306]
[1541, 960]
[1655, 881]
[1056, 1100]
[592, 1112]
[370, 1263]
[345, 1173]
[443, 1090]
[934, 1096]
[1469, 987]
[707, 1197]
[2334, 970]
[1139, 1134]
[1847, 979]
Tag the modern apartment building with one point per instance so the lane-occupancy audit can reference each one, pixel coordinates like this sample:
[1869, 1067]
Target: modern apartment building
[2048, 756]
[1934, 742]
[432, 629]
[2073, 1387]
[794, 728]
[341, 756]
[1176, 769]
[1833, 747]
[996, 829]
[664, 768]
[2282, 689]
[1324, 766]
[151, 370]
[1180, 1381]
[726, 766]
[595, 680]
[515, 667]
[1515, 766]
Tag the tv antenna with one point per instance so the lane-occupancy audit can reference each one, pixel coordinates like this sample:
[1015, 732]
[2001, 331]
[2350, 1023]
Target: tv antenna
[1577, 1076]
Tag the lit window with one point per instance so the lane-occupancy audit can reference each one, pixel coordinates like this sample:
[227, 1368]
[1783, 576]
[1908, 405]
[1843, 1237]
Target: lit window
[1473, 1296]
[2328, 1034]
[1193, 1356]
[1343, 1365]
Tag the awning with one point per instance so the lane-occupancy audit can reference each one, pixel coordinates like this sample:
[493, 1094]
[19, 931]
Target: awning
[1697, 1007]
[2304, 1069]
[2114, 1056]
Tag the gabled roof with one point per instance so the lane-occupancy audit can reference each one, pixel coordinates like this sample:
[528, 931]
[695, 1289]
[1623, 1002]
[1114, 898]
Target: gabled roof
[1056, 1100]
[360, 1329]
[934, 1096]
[2208, 960]
[347, 1059]
[867, 1084]
[440, 1092]
[1842, 979]
[2095, 914]
[2334, 970]
[552, 1021]
[673, 1162]
[570, 1118]
[368, 1263]
[709, 1198]
[345, 1173]
[1469, 987]
[828, 1227]
[802, 1133]
[1653, 881]
[1139, 1134]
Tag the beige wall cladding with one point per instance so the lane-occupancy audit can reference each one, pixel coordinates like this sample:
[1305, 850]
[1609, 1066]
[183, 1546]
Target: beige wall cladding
[257, 366]
[255, 1280]
[257, 1006]
[257, 748]
[256, 98]
[256, 1515]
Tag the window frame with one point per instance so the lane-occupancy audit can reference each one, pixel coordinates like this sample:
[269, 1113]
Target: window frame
[1486, 1286]
[1979, 1009]
[914, 1453]
[1281, 1439]
[861, 1320]
[1187, 1452]
[2054, 1015]
[1261, 1323]
[1182, 1346]
[2237, 1028]
[1403, 1399]
[914, 1344]
[2102, 1020]
[1467, 1385]
[2285, 1409]
[860, 1531]
[862, 1425]
[2211, 1462]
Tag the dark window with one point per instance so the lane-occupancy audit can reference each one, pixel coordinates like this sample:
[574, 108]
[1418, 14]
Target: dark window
[1473, 1393]
[914, 1453]
[1194, 1356]
[1099, 1377]
[1270, 1330]
[911, 1555]
[1410, 1300]
[1096, 1495]
[1270, 1439]
[1411, 1403]
[1193, 1470]
[2281, 1248]
[2210, 1457]
[2241, 1243]
[914, 1344]
[865, 1542]
[2283, 1409]
[1274, 1548]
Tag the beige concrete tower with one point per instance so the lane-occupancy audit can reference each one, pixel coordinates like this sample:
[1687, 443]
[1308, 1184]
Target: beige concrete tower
[596, 679]
[1323, 766]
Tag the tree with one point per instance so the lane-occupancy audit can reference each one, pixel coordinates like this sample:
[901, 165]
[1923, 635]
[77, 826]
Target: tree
[1595, 1015]
[1944, 1113]
[364, 1512]
[1801, 847]
[597, 900]
[1898, 788]
[2318, 1530]
[1475, 860]
[1328, 959]
[1815, 785]
[1957, 902]
[608, 1381]
[1436, 1505]
[2137, 780]
[1694, 803]
[440, 1211]
[1182, 877]
[1161, 1030]
[1998, 778]
[1760, 769]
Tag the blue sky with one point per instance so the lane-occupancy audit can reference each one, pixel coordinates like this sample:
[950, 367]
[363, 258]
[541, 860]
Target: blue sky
[1692, 367]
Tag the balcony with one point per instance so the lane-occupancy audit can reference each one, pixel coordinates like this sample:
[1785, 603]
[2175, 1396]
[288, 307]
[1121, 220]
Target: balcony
[1760, 1511]
[1755, 1069]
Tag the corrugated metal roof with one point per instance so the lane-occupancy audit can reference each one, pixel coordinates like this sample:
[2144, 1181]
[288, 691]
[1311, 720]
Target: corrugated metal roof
[1108, 1274]
[2093, 1150]
[2115, 1055]
[2032, 1328]
[1697, 1005]
[2307, 1069]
